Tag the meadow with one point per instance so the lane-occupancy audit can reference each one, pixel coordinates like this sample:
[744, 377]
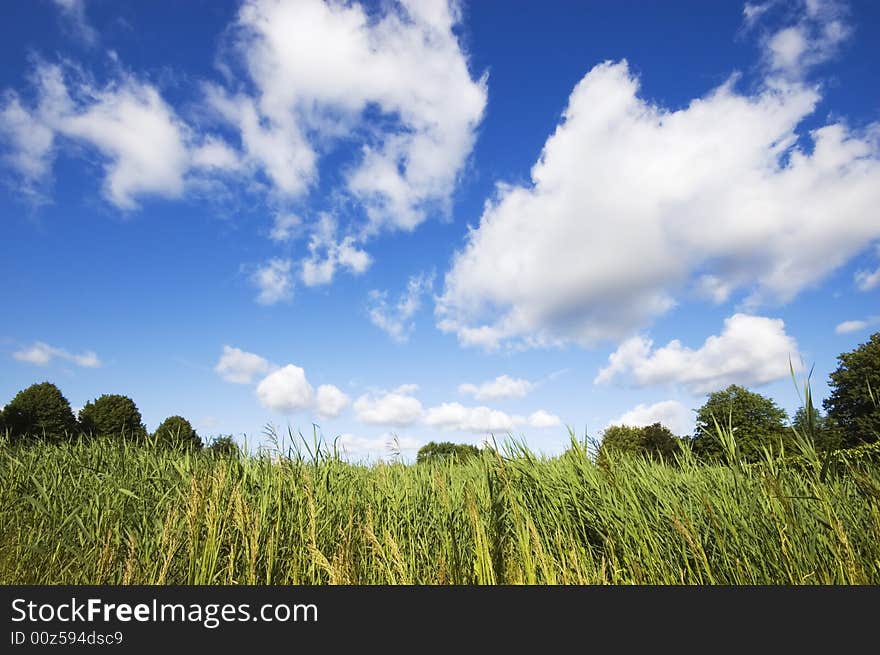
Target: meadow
[105, 511]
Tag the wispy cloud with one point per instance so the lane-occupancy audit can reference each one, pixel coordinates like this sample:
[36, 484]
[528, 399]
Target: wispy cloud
[42, 354]
[395, 319]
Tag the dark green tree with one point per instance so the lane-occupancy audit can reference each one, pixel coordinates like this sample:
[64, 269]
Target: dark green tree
[854, 403]
[112, 415]
[757, 422]
[40, 411]
[655, 441]
[225, 446]
[177, 432]
[819, 428]
[458, 452]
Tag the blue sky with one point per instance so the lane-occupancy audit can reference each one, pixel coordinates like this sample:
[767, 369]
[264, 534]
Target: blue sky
[435, 221]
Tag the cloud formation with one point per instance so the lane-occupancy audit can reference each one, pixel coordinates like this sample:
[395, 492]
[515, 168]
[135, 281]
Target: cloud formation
[42, 354]
[397, 408]
[396, 319]
[751, 350]
[286, 391]
[274, 281]
[503, 386]
[630, 200]
[670, 413]
[240, 367]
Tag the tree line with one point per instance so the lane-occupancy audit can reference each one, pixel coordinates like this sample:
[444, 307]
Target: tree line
[851, 418]
[42, 413]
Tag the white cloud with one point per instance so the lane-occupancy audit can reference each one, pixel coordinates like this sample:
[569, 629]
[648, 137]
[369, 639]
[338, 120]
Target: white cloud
[868, 280]
[397, 407]
[396, 320]
[326, 254]
[144, 145]
[847, 327]
[503, 386]
[632, 201]
[330, 401]
[75, 12]
[285, 227]
[317, 67]
[274, 281]
[670, 413]
[42, 353]
[286, 390]
[30, 145]
[751, 350]
[241, 367]
[542, 419]
[455, 416]
[814, 39]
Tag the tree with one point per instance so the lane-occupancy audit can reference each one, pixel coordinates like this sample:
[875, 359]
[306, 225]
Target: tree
[757, 422]
[177, 432]
[456, 452]
[225, 446]
[854, 403]
[655, 441]
[819, 428]
[40, 411]
[112, 415]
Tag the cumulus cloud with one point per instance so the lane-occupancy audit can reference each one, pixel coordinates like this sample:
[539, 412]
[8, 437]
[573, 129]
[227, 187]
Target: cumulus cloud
[241, 367]
[846, 327]
[144, 145]
[751, 350]
[815, 38]
[285, 227]
[327, 254]
[396, 319]
[455, 416]
[481, 419]
[274, 281]
[286, 390]
[42, 354]
[397, 408]
[319, 70]
[670, 413]
[542, 419]
[330, 401]
[633, 201]
[503, 386]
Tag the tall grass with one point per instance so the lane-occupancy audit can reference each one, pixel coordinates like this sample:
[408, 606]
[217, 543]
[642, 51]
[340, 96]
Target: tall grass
[109, 512]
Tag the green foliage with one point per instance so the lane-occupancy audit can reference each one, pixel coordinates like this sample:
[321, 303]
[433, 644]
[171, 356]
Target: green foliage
[446, 450]
[40, 411]
[177, 432]
[756, 420]
[112, 415]
[654, 441]
[821, 429]
[854, 404]
[225, 446]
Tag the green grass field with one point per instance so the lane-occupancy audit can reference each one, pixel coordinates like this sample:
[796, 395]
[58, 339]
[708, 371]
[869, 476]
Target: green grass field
[109, 512]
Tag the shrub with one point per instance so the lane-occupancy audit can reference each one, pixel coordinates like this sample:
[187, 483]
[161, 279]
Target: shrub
[39, 411]
[446, 450]
[177, 432]
[112, 415]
